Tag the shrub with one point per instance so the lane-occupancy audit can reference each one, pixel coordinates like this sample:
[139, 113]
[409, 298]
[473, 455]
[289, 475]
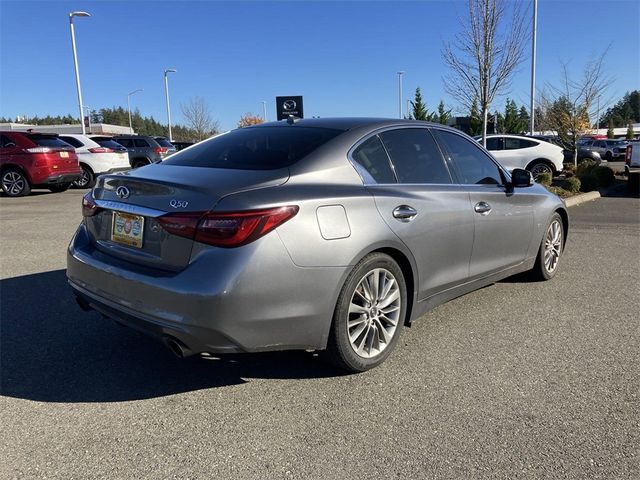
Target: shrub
[561, 192]
[604, 175]
[569, 167]
[572, 184]
[544, 179]
[585, 168]
[588, 183]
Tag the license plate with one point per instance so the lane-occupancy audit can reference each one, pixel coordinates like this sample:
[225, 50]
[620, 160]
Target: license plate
[64, 154]
[123, 156]
[127, 229]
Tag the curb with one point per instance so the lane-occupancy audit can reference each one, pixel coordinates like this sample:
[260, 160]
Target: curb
[582, 198]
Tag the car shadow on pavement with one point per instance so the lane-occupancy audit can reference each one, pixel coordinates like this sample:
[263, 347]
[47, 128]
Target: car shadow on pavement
[52, 351]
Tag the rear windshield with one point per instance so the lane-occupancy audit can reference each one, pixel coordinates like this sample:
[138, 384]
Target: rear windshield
[108, 143]
[164, 142]
[258, 148]
[51, 141]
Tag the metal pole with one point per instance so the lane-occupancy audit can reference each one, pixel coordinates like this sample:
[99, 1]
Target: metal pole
[264, 111]
[400, 73]
[166, 92]
[129, 105]
[88, 116]
[533, 68]
[598, 118]
[75, 64]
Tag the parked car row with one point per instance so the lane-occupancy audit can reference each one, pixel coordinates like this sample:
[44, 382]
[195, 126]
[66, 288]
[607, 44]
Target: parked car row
[57, 162]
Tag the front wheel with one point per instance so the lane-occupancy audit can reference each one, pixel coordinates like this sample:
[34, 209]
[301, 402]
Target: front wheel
[369, 315]
[608, 157]
[550, 250]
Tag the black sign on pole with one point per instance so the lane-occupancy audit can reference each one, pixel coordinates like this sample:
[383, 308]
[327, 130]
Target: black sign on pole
[287, 106]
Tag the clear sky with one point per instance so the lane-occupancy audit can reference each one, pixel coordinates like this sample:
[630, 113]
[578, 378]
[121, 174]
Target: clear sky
[342, 56]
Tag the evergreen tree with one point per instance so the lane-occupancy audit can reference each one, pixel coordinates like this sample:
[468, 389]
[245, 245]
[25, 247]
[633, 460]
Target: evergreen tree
[630, 133]
[475, 122]
[443, 115]
[419, 108]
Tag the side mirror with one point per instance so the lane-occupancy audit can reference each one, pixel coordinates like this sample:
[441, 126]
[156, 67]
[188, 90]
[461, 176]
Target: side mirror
[521, 178]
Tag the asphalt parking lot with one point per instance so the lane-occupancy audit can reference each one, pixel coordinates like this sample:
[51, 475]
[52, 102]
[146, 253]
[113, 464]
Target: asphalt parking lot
[517, 380]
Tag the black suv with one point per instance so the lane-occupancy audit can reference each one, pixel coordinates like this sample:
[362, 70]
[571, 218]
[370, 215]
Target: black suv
[143, 150]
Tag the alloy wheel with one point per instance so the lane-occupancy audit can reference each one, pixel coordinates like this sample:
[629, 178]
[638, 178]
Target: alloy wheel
[13, 183]
[374, 312]
[552, 246]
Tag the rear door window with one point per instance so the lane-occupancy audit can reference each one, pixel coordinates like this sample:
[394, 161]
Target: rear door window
[255, 148]
[517, 143]
[108, 143]
[415, 156]
[125, 142]
[373, 162]
[494, 143]
[141, 143]
[473, 165]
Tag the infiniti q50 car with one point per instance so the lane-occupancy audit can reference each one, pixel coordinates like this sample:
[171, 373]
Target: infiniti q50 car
[318, 234]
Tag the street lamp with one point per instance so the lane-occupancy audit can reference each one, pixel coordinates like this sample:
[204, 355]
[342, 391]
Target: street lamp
[75, 63]
[129, 105]
[264, 111]
[400, 73]
[88, 108]
[166, 92]
[532, 113]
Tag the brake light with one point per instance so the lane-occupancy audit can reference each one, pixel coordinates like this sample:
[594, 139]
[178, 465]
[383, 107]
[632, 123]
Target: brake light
[89, 207]
[161, 150]
[100, 150]
[627, 155]
[38, 150]
[227, 229]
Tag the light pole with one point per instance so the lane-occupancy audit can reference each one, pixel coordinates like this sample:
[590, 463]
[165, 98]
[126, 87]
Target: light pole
[166, 92]
[264, 111]
[88, 116]
[400, 73]
[129, 106]
[75, 63]
[533, 68]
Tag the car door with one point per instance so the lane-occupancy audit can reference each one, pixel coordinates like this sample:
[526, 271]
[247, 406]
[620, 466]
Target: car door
[405, 172]
[503, 218]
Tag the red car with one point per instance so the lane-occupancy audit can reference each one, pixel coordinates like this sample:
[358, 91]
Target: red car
[29, 160]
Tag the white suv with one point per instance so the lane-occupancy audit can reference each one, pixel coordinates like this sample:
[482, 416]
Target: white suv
[514, 151]
[95, 159]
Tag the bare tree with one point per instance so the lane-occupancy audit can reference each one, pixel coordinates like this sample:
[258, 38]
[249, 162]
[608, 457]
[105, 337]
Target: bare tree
[198, 116]
[570, 104]
[485, 54]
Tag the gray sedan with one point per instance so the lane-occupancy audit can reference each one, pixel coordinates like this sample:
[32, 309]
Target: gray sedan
[319, 234]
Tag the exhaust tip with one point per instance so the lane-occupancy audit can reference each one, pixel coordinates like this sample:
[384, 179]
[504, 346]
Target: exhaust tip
[179, 349]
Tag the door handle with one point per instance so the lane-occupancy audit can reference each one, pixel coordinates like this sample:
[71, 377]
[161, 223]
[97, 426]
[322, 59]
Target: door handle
[404, 213]
[483, 208]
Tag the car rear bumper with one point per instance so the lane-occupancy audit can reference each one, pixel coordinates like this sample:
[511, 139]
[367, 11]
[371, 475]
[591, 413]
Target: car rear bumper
[59, 179]
[247, 299]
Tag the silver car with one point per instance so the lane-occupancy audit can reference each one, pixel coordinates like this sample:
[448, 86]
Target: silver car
[318, 234]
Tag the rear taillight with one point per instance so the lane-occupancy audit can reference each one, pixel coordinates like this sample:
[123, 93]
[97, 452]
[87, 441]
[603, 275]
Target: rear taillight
[627, 155]
[227, 229]
[100, 150]
[39, 150]
[161, 150]
[89, 207]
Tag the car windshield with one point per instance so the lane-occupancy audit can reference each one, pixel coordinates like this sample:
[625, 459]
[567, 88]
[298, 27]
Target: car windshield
[257, 148]
[51, 141]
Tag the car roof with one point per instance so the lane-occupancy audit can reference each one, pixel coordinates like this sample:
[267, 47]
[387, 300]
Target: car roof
[346, 123]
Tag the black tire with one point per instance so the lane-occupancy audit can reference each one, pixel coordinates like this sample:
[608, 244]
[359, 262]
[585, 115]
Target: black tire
[538, 167]
[15, 183]
[140, 163]
[87, 180]
[61, 187]
[341, 350]
[541, 270]
[608, 156]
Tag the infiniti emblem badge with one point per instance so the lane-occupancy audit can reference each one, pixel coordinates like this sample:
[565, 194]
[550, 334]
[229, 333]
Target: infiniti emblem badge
[122, 192]
[289, 105]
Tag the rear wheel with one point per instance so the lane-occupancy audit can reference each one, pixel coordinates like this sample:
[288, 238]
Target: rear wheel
[550, 250]
[87, 180]
[140, 163]
[369, 315]
[15, 183]
[540, 167]
[61, 187]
